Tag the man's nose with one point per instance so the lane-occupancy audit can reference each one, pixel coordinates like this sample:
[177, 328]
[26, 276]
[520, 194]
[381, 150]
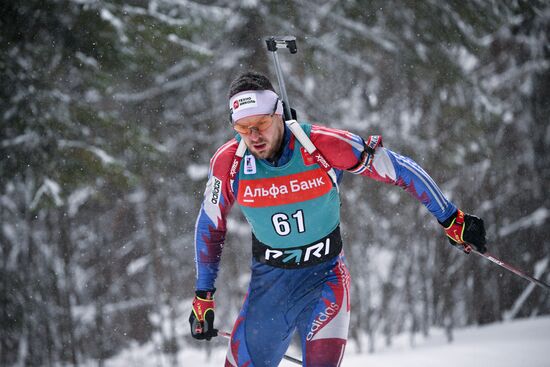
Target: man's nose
[254, 133]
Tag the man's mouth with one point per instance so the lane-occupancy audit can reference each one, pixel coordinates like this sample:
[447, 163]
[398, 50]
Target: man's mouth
[260, 147]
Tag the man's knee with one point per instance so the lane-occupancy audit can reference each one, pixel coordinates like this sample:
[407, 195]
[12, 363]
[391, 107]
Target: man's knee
[325, 352]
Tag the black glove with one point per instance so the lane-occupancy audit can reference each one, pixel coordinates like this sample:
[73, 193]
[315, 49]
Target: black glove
[465, 229]
[202, 315]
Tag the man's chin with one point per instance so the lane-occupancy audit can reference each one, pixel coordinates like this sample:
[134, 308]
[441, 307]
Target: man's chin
[264, 154]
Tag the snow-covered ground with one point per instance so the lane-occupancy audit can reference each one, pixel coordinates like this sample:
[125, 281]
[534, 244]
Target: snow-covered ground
[520, 343]
[523, 343]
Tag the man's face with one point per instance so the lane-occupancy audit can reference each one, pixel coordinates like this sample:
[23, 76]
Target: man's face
[263, 135]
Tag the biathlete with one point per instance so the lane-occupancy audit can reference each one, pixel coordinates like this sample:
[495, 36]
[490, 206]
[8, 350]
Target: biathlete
[299, 279]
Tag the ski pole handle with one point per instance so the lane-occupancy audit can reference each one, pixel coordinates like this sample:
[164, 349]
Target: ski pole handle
[275, 42]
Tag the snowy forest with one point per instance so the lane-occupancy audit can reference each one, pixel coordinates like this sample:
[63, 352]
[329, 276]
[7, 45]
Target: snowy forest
[110, 111]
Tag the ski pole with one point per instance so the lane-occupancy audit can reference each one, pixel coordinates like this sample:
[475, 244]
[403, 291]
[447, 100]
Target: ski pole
[468, 248]
[273, 43]
[227, 335]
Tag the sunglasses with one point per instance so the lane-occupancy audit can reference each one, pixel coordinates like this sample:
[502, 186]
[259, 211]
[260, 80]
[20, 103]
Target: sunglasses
[259, 126]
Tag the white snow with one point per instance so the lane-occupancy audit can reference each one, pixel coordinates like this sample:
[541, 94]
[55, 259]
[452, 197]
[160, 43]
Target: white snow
[540, 267]
[510, 344]
[78, 198]
[197, 172]
[30, 138]
[535, 219]
[190, 45]
[138, 265]
[467, 60]
[115, 22]
[98, 152]
[51, 188]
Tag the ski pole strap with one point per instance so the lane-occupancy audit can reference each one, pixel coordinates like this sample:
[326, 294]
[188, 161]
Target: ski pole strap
[202, 305]
[455, 230]
[306, 142]
[314, 253]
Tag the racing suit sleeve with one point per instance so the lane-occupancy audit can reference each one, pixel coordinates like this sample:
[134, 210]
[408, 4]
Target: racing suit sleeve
[210, 227]
[347, 151]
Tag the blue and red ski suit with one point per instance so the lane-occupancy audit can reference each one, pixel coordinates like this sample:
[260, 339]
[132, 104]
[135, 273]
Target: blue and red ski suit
[299, 280]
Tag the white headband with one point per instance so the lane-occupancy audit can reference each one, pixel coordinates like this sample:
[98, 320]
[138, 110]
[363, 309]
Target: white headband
[254, 102]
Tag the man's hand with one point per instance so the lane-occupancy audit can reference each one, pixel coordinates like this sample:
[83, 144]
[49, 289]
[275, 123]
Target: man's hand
[202, 315]
[464, 228]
